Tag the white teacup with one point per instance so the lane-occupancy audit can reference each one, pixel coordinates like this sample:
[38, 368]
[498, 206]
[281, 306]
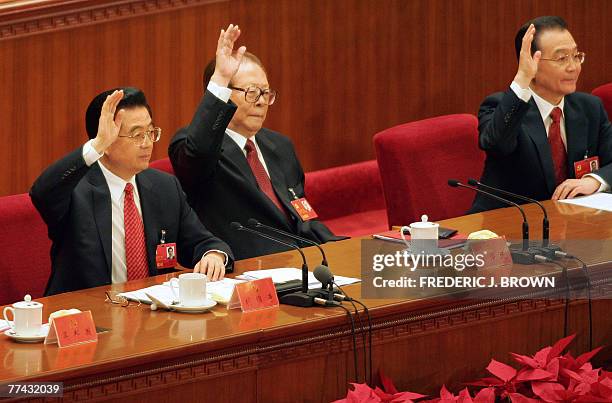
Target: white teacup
[192, 289]
[423, 236]
[27, 317]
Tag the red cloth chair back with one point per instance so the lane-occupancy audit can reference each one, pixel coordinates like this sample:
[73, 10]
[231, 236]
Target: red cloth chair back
[416, 160]
[605, 93]
[348, 199]
[25, 265]
[163, 164]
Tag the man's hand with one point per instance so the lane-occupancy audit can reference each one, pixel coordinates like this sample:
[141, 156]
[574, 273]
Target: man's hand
[212, 264]
[571, 188]
[528, 65]
[227, 60]
[108, 125]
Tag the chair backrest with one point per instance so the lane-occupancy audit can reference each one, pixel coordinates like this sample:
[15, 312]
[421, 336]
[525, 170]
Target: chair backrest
[416, 160]
[605, 93]
[345, 190]
[163, 164]
[26, 264]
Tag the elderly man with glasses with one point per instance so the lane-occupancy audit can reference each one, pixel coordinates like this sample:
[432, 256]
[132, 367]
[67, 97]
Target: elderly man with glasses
[109, 217]
[232, 168]
[543, 139]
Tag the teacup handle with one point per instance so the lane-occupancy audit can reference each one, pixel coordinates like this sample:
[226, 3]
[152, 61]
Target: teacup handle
[9, 308]
[407, 229]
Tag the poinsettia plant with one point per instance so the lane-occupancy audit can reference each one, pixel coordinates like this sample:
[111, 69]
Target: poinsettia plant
[547, 376]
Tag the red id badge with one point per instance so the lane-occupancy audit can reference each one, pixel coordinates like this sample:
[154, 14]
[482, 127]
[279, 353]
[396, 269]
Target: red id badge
[586, 166]
[304, 209]
[165, 255]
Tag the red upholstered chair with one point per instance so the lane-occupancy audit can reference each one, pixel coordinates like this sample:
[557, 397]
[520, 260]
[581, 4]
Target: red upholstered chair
[163, 164]
[605, 93]
[349, 198]
[416, 160]
[25, 265]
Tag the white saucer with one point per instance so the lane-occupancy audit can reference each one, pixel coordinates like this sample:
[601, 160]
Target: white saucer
[29, 339]
[209, 303]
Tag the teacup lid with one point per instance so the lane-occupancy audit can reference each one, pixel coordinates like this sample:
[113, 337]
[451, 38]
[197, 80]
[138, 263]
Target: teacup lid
[424, 223]
[27, 303]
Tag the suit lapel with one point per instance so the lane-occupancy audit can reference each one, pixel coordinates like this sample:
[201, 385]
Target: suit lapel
[535, 129]
[575, 134]
[102, 212]
[151, 208]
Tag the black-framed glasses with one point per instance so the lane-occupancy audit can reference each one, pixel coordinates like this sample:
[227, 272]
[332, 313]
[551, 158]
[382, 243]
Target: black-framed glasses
[564, 60]
[153, 134]
[253, 93]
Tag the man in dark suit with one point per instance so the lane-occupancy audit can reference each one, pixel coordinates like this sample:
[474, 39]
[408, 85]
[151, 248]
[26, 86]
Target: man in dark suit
[232, 168]
[540, 135]
[107, 213]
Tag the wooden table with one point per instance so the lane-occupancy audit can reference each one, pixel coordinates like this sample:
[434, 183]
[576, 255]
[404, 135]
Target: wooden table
[297, 354]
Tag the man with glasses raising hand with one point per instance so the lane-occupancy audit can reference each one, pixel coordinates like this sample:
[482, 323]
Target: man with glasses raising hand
[543, 139]
[109, 217]
[232, 168]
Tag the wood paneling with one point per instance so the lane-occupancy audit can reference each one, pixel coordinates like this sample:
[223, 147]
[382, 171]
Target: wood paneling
[345, 69]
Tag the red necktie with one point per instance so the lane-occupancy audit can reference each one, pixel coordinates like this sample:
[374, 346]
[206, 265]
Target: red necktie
[557, 149]
[135, 249]
[260, 174]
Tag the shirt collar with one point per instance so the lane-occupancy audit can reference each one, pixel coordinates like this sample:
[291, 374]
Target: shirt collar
[546, 107]
[116, 185]
[240, 139]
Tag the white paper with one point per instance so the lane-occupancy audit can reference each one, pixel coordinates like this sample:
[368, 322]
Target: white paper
[285, 274]
[4, 325]
[599, 201]
[220, 291]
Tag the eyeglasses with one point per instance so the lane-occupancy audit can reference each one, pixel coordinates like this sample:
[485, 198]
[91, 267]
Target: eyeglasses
[153, 134]
[564, 60]
[252, 94]
[114, 298]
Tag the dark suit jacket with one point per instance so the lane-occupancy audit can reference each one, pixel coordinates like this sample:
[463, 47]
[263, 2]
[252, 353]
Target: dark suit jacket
[222, 188]
[519, 158]
[74, 200]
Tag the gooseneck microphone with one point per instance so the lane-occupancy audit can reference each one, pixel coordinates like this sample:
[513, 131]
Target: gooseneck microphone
[325, 276]
[456, 183]
[254, 223]
[239, 227]
[545, 222]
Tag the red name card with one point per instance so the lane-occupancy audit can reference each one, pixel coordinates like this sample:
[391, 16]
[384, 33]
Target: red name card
[494, 251]
[254, 295]
[72, 329]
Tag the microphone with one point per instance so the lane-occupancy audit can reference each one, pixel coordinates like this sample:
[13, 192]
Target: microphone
[239, 227]
[325, 276]
[254, 223]
[304, 297]
[551, 249]
[522, 256]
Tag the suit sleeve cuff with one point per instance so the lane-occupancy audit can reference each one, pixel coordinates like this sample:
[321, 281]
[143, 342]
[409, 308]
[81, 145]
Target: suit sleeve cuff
[223, 93]
[604, 186]
[522, 93]
[90, 155]
[225, 258]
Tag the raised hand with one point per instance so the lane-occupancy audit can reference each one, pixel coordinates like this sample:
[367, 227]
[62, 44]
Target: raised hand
[528, 64]
[108, 125]
[227, 59]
